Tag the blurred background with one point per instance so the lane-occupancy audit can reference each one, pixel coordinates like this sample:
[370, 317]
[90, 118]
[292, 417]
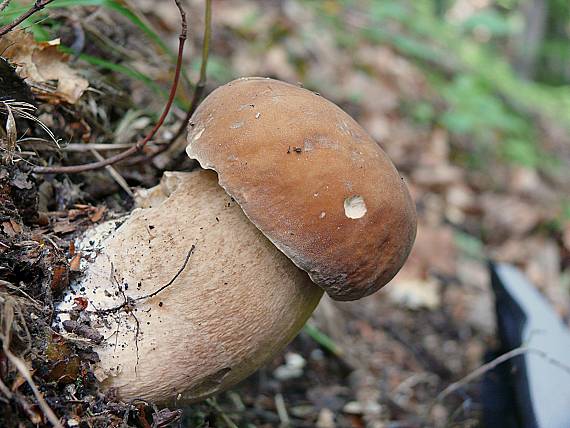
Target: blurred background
[470, 99]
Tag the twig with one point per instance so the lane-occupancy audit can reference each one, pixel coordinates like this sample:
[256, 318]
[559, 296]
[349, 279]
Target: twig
[21, 367]
[115, 174]
[214, 404]
[169, 283]
[198, 89]
[38, 5]
[494, 363]
[282, 410]
[140, 144]
[201, 85]
[76, 147]
[128, 300]
[4, 4]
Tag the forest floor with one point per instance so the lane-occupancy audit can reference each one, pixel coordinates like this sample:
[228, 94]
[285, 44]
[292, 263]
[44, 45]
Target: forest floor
[380, 362]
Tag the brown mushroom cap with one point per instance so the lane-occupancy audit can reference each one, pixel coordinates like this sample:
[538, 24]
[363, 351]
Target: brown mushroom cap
[311, 179]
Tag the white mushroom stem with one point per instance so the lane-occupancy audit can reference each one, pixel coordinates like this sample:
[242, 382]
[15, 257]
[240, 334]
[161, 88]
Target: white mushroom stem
[231, 306]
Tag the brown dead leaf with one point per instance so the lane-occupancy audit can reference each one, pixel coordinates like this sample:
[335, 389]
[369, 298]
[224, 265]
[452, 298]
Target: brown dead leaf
[8, 229]
[18, 382]
[16, 226]
[60, 278]
[64, 226]
[437, 176]
[34, 414]
[97, 215]
[434, 251]
[461, 201]
[42, 62]
[508, 216]
[65, 371]
[528, 183]
[74, 264]
[73, 214]
[80, 303]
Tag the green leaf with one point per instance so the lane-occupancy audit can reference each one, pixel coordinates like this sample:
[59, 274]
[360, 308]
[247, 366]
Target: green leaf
[115, 5]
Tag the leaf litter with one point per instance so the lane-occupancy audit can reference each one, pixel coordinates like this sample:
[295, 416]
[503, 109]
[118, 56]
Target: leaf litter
[397, 350]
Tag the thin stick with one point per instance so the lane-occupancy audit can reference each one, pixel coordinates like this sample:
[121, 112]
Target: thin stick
[494, 363]
[169, 283]
[21, 367]
[282, 410]
[115, 175]
[140, 144]
[4, 4]
[205, 54]
[128, 301]
[201, 85]
[198, 89]
[38, 5]
[39, 144]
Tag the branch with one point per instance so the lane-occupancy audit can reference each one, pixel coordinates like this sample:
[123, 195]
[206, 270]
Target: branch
[201, 85]
[494, 363]
[129, 301]
[198, 89]
[169, 283]
[4, 4]
[140, 144]
[38, 5]
[22, 368]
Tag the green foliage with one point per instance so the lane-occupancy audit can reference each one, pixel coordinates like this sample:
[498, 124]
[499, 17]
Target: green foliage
[486, 103]
[491, 21]
[41, 30]
[322, 339]
[15, 9]
[219, 69]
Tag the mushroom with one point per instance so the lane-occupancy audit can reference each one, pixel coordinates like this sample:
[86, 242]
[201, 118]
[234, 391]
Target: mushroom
[311, 179]
[213, 274]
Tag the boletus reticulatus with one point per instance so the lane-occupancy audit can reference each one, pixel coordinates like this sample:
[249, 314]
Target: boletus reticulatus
[217, 271]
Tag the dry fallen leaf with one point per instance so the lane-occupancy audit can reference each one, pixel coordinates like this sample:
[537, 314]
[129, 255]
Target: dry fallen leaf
[16, 226]
[74, 264]
[7, 228]
[42, 62]
[508, 216]
[97, 215]
[60, 278]
[64, 226]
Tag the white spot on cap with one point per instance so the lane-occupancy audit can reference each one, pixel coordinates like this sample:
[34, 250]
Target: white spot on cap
[257, 115]
[354, 207]
[323, 214]
[236, 125]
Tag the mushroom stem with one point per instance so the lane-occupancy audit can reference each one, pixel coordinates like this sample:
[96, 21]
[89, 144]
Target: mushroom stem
[189, 296]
